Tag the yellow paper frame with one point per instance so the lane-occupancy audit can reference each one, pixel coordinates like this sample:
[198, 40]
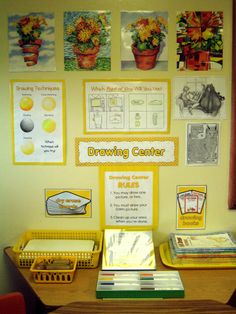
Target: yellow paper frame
[63, 98]
[154, 170]
[125, 130]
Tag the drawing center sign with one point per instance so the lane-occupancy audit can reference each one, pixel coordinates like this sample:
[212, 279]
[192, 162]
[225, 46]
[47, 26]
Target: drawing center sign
[150, 151]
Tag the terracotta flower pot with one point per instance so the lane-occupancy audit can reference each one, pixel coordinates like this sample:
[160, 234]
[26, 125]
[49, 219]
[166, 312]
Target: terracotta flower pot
[31, 51]
[86, 59]
[145, 60]
[198, 61]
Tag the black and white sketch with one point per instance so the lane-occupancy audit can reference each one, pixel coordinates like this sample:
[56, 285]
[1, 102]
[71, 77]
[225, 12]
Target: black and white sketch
[199, 98]
[202, 143]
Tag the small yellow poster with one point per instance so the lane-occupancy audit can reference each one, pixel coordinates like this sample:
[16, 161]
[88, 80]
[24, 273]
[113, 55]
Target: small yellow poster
[191, 207]
[129, 196]
[68, 203]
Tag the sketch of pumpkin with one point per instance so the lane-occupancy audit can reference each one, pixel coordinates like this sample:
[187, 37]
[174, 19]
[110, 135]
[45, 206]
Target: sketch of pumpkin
[29, 29]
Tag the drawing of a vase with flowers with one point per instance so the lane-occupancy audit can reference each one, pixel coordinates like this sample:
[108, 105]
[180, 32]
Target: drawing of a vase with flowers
[29, 28]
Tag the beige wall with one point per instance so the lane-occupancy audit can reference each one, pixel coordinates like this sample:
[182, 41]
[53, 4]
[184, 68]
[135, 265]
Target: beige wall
[22, 187]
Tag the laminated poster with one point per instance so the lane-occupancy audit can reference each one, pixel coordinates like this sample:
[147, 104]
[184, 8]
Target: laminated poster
[200, 40]
[87, 41]
[68, 203]
[124, 106]
[38, 122]
[129, 196]
[123, 151]
[202, 144]
[191, 207]
[144, 41]
[31, 42]
[199, 98]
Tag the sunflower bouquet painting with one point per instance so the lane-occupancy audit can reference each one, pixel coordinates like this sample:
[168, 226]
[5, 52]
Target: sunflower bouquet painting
[200, 40]
[87, 40]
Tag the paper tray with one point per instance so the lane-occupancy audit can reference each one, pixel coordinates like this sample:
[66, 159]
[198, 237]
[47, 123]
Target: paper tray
[85, 259]
[166, 260]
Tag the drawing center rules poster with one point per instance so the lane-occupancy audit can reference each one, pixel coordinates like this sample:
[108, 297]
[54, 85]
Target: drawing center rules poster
[129, 196]
[126, 106]
[38, 122]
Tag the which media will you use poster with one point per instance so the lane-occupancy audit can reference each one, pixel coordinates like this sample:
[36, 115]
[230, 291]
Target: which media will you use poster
[31, 42]
[191, 207]
[129, 196]
[202, 144]
[199, 98]
[127, 106]
[38, 122]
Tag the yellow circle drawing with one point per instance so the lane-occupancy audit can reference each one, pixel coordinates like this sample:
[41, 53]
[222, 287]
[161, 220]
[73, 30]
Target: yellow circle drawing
[49, 125]
[26, 103]
[48, 103]
[27, 148]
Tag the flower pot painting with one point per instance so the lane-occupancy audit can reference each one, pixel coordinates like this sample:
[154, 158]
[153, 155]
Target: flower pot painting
[86, 59]
[87, 40]
[147, 34]
[199, 40]
[146, 59]
[31, 42]
[29, 29]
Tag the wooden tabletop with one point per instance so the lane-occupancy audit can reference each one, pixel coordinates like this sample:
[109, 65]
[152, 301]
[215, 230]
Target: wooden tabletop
[161, 307]
[199, 284]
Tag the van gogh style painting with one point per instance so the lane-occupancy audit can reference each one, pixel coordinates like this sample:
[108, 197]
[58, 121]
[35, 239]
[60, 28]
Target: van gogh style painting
[87, 41]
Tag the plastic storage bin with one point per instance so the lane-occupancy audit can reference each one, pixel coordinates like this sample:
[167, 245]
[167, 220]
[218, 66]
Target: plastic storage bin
[84, 259]
[53, 275]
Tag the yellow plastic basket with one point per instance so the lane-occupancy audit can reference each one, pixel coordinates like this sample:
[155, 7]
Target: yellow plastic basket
[84, 259]
[53, 275]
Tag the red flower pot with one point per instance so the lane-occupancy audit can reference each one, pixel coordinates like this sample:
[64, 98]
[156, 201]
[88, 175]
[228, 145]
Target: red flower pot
[31, 51]
[86, 59]
[146, 59]
[198, 61]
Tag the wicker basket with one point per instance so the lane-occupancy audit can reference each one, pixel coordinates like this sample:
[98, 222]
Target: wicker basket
[84, 259]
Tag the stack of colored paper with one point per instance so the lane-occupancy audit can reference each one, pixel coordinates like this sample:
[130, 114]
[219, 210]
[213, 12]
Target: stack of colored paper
[212, 248]
[138, 284]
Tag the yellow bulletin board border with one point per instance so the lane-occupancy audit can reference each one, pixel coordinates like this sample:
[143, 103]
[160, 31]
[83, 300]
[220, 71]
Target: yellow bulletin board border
[154, 170]
[63, 162]
[137, 141]
[125, 130]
